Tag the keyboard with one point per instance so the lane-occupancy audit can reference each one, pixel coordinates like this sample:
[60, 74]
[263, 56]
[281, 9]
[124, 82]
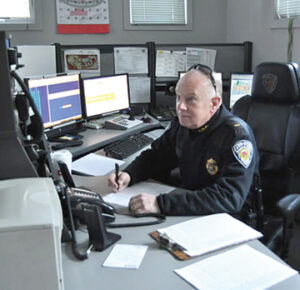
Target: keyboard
[123, 148]
[121, 123]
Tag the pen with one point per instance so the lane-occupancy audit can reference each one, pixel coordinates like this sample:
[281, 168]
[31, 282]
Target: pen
[117, 169]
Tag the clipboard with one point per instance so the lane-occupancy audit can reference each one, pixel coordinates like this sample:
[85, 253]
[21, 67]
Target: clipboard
[172, 247]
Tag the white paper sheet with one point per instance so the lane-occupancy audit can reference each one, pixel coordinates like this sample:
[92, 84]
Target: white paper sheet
[122, 198]
[94, 164]
[196, 55]
[169, 63]
[133, 60]
[209, 233]
[241, 268]
[126, 256]
[139, 89]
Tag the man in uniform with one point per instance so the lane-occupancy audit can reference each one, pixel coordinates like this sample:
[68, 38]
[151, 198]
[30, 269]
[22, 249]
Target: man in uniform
[214, 150]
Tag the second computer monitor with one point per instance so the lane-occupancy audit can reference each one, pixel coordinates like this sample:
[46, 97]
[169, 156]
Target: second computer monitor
[241, 84]
[105, 94]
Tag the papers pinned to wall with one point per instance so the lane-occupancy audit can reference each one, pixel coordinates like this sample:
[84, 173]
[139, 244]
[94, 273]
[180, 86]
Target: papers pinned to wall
[139, 89]
[200, 56]
[169, 63]
[132, 60]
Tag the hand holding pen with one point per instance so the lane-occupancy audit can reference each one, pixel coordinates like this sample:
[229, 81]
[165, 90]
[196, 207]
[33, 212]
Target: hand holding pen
[119, 179]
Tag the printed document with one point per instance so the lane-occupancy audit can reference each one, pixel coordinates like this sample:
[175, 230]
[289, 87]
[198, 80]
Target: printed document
[169, 63]
[241, 268]
[209, 233]
[200, 56]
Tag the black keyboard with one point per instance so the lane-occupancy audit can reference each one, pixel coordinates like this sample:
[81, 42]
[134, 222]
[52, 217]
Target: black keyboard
[123, 148]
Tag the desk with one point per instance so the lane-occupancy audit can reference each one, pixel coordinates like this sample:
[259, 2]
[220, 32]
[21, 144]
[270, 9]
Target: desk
[156, 270]
[96, 139]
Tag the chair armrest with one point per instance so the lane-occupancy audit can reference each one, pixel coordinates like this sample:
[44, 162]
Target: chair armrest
[288, 206]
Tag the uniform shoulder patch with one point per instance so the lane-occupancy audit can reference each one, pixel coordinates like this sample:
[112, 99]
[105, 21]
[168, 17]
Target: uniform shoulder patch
[243, 152]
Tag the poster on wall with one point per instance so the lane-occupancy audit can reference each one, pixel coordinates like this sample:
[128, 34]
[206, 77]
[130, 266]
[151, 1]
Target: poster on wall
[82, 16]
[84, 61]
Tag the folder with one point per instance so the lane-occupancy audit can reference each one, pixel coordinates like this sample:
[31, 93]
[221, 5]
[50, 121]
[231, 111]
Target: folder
[203, 235]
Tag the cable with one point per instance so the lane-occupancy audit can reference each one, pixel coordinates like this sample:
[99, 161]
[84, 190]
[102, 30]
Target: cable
[160, 218]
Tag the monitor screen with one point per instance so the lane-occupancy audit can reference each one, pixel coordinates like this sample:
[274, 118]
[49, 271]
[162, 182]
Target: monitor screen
[241, 84]
[105, 94]
[181, 74]
[57, 99]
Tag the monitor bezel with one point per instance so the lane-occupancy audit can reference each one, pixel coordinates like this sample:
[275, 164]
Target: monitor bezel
[60, 127]
[83, 103]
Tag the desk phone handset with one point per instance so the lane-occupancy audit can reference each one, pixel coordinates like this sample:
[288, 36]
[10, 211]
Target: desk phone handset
[79, 197]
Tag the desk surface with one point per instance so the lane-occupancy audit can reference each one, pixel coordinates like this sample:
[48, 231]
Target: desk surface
[155, 272]
[96, 139]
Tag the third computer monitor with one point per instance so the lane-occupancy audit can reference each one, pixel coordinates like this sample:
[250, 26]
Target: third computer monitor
[105, 94]
[241, 84]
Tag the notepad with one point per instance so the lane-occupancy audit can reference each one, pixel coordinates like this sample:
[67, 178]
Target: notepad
[126, 256]
[241, 268]
[209, 233]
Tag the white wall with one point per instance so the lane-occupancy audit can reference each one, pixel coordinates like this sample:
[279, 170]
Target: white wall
[209, 22]
[252, 20]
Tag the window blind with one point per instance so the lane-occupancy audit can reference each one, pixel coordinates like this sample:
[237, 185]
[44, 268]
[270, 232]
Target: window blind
[158, 12]
[287, 8]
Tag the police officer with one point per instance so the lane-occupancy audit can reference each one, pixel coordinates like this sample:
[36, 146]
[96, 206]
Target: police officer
[214, 151]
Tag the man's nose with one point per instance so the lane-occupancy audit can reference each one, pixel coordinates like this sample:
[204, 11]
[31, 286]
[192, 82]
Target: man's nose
[181, 105]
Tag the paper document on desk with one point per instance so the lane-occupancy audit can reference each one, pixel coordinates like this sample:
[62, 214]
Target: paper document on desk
[94, 164]
[209, 233]
[122, 198]
[240, 268]
[126, 256]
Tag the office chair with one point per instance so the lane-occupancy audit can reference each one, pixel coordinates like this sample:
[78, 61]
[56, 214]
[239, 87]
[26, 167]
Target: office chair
[273, 113]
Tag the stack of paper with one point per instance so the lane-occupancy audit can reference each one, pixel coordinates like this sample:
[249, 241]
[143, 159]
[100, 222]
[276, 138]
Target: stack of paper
[239, 268]
[209, 233]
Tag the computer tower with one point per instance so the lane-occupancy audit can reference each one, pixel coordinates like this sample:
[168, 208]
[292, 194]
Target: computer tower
[30, 235]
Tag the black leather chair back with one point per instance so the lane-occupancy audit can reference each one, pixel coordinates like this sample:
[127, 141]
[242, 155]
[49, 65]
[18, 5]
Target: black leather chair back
[273, 112]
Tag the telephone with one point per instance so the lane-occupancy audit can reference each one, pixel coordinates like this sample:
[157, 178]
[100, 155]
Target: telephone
[79, 198]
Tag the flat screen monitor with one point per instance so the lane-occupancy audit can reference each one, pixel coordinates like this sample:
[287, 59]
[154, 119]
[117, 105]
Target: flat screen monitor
[57, 99]
[105, 94]
[240, 86]
[181, 74]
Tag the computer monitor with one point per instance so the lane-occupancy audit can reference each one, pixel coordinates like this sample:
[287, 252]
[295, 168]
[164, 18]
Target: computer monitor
[241, 84]
[104, 94]
[57, 99]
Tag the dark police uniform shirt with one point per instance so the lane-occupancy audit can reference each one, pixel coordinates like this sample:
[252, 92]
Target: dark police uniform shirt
[217, 163]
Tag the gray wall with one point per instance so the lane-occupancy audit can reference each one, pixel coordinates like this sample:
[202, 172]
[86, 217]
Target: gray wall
[209, 21]
[253, 20]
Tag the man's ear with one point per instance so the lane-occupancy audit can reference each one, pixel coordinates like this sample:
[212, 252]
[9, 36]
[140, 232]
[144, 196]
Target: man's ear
[216, 102]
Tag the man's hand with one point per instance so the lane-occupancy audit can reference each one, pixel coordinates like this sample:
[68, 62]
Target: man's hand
[144, 203]
[120, 183]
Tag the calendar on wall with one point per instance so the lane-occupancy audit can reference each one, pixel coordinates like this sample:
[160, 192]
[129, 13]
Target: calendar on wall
[82, 16]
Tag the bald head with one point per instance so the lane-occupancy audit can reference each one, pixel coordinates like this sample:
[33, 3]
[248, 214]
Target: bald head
[197, 100]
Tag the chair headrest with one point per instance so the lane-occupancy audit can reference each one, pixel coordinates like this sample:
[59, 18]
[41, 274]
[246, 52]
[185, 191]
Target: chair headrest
[276, 82]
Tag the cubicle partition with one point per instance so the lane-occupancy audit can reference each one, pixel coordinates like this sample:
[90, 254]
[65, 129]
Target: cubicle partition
[222, 57]
[109, 59]
[152, 80]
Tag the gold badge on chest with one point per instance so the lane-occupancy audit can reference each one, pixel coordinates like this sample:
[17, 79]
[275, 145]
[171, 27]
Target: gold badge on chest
[212, 166]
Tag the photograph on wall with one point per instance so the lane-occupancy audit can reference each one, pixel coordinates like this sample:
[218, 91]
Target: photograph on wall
[82, 16]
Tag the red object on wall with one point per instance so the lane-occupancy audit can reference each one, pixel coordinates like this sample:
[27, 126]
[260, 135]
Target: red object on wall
[82, 28]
